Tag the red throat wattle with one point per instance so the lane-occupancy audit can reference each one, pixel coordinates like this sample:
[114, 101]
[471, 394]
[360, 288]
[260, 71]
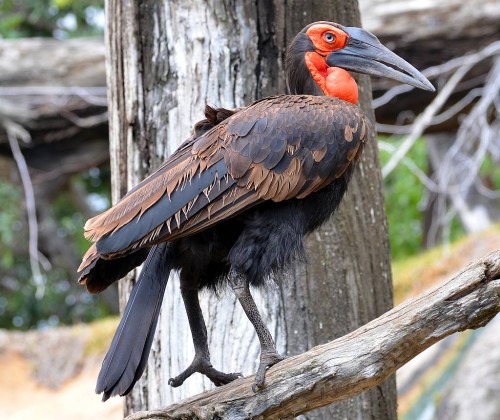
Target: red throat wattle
[333, 81]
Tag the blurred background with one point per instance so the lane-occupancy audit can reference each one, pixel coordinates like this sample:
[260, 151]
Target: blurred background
[440, 156]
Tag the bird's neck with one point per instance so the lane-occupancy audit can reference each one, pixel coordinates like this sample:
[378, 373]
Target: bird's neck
[333, 81]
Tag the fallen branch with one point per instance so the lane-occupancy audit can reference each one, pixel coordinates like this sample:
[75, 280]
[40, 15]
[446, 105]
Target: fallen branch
[357, 361]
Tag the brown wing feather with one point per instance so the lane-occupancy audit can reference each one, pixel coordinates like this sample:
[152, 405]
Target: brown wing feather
[176, 172]
[304, 162]
[276, 149]
[90, 256]
[305, 143]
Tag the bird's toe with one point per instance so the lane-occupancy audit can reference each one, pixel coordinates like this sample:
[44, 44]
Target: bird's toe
[266, 361]
[220, 378]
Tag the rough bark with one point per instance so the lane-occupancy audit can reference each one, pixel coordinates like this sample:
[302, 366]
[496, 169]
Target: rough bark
[359, 360]
[165, 61]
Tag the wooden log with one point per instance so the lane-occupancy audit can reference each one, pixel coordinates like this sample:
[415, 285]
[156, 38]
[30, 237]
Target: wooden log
[50, 62]
[357, 361]
[431, 32]
[55, 90]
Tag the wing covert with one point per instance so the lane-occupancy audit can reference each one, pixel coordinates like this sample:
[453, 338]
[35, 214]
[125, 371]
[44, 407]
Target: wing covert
[276, 149]
[296, 145]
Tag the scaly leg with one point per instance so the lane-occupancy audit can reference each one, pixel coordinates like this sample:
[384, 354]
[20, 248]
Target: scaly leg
[201, 362]
[268, 354]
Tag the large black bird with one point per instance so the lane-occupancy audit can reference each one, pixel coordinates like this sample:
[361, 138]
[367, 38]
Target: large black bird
[233, 203]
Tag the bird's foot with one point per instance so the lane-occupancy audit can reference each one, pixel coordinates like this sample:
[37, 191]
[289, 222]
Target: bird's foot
[203, 366]
[266, 361]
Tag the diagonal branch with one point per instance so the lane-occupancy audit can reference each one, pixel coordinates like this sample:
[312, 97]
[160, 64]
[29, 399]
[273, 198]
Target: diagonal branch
[359, 360]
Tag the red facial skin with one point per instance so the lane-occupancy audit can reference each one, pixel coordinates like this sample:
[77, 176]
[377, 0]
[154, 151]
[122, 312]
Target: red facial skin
[333, 81]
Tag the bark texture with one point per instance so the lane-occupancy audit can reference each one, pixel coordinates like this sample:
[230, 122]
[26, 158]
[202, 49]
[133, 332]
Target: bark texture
[359, 360]
[165, 61]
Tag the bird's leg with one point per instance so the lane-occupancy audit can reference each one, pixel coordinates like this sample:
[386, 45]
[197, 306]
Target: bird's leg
[268, 354]
[201, 362]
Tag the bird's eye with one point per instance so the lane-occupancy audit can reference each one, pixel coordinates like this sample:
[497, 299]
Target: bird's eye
[329, 37]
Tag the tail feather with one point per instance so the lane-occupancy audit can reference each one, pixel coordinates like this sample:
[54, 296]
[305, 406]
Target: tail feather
[127, 356]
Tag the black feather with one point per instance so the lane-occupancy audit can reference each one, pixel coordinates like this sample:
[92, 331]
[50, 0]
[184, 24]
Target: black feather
[161, 211]
[224, 185]
[127, 356]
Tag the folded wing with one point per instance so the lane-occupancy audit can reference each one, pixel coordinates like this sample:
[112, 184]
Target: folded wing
[280, 148]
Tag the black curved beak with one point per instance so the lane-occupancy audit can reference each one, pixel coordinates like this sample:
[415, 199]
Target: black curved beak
[365, 54]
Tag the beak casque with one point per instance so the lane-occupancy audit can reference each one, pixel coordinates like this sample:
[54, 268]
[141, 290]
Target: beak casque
[365, 54]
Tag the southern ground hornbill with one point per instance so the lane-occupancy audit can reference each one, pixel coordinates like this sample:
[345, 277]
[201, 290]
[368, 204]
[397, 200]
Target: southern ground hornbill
[233, 203]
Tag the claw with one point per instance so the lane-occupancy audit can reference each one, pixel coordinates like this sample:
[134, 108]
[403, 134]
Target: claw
[266, 361]
[177, 381]
[224, 378]
[204, 367]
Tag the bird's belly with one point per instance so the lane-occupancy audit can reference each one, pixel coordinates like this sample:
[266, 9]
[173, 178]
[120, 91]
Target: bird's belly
[259, 242]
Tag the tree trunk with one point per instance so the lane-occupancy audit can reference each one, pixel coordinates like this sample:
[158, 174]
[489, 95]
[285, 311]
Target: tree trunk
[165, 61]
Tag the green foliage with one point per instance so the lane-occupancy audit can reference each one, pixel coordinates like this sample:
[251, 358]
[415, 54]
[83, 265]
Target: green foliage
[490, 172]
[9, 223]
[96, 183]
[64, 302]
[403, 193]
[50, 18]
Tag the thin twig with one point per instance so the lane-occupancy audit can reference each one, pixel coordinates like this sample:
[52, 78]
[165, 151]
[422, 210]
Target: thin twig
[85, 122]
[438, 119]
[12, 131]
[457, 169]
